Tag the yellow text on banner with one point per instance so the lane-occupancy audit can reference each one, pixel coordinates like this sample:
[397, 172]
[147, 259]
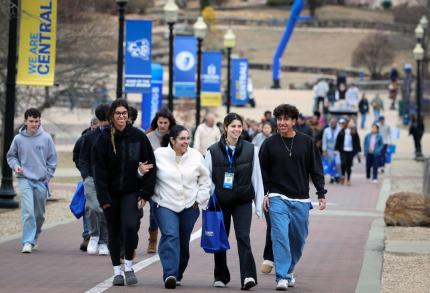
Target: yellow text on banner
[211, 99]
[37, 38]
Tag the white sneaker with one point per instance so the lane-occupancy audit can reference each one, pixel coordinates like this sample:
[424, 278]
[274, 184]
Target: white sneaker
[93, 245]
[282, 285]
[292, 281]
[248, 283]
[219, 284]
[103, 249]
[26, 248]
[375, 181]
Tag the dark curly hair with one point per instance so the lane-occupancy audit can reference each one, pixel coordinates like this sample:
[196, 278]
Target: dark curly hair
[165, 113]
[286, 110]
[32, 112]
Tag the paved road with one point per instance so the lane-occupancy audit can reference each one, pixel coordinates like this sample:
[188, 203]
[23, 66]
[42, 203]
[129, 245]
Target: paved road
[331, 262]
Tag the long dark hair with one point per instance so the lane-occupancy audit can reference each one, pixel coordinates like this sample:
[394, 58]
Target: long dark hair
[165, 113]
[173, 134]
[115, 104]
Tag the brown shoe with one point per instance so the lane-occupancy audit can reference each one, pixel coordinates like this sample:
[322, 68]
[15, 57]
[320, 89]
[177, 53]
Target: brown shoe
[152, 244]
[266, 267]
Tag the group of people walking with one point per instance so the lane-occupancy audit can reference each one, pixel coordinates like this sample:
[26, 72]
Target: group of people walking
[127, 168]
[123, 169]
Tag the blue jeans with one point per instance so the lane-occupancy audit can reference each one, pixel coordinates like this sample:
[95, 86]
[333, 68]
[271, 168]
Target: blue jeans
[376, 114]
[372, 163]
[363, 120]
[290, 220]
[33, 200]
[174, 247]
[153, 226]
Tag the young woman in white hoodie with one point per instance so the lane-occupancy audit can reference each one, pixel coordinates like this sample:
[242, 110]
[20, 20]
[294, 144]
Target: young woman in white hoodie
[182, 185]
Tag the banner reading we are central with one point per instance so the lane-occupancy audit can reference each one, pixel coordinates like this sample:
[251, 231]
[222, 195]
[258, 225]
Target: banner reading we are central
[37, 38]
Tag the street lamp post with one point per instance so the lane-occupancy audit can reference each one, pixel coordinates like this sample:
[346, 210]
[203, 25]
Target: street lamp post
[170, 17]
[418, 55]
[424, 24]
[200, 31]
[7, 193]
[120, 61]
[229, 43]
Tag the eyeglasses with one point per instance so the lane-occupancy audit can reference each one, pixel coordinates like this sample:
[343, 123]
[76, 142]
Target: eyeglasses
[125, 113]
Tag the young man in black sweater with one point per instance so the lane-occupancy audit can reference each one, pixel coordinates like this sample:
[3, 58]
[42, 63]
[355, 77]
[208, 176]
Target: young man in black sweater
[287, 161]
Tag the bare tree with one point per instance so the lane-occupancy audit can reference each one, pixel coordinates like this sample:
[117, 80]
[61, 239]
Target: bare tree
[86, 45]
[375, 52]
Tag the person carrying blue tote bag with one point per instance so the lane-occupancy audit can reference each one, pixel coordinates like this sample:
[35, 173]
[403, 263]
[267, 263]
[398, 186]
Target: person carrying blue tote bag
[77, 205]
[214, 237]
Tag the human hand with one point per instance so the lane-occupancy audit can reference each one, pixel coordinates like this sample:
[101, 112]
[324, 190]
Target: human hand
[141, 203]
[322, 203]
[19, 170]
[266, 203]
[145, 167]
[106, 205]
[324, 153]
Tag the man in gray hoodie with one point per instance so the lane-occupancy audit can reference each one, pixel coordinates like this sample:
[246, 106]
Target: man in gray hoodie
[33, 157]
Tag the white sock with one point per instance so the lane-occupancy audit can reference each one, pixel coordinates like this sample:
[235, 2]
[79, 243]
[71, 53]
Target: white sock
[117, 270]
[128, 265]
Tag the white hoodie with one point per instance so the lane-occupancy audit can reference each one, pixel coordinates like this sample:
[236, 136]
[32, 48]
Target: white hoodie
[180, 184]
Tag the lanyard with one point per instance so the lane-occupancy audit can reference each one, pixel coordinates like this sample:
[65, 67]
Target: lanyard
[230, 158]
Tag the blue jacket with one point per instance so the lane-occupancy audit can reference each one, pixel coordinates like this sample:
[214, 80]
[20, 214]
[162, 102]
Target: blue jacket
[378, 147]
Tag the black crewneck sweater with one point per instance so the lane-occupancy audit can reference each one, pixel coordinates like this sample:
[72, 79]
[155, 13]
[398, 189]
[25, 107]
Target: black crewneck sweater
[290, 175]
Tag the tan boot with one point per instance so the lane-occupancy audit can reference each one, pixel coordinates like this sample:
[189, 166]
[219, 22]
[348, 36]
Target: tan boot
[152, 244]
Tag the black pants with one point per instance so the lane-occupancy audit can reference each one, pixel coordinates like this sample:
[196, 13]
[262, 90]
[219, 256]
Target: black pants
[122, 216]
[242, 215]
[417, 142]
[346, 163]
[383, 156]
[372, 163]
[268, 251]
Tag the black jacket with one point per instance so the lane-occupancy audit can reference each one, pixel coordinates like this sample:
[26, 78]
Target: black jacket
[356, 146]
[85, 160]
[289, 175]
[363, 106]
[116, 174]
[243, 190]
[77, 148]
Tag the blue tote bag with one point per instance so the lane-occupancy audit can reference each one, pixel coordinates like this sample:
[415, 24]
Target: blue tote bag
[77, 205]
[214, 237]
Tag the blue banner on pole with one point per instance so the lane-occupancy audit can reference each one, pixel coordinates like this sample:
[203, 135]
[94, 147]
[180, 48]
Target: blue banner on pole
[184, 70]
[138, 47]
[211, 79]
[239, 83]
[151, 102]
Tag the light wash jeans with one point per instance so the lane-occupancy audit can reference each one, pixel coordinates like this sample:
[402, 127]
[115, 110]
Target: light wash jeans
[33, 200]
[94, 213]
[363, 120]
[290, 220]
[376, 114]
[174, 247]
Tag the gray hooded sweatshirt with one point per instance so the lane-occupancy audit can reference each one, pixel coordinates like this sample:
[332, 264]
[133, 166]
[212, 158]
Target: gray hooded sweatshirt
[35, 154]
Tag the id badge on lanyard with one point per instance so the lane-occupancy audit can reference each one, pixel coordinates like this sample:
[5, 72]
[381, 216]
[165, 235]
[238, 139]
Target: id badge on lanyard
[229, 176]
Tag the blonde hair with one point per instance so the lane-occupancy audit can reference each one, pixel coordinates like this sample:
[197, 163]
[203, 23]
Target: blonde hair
[112, 138]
